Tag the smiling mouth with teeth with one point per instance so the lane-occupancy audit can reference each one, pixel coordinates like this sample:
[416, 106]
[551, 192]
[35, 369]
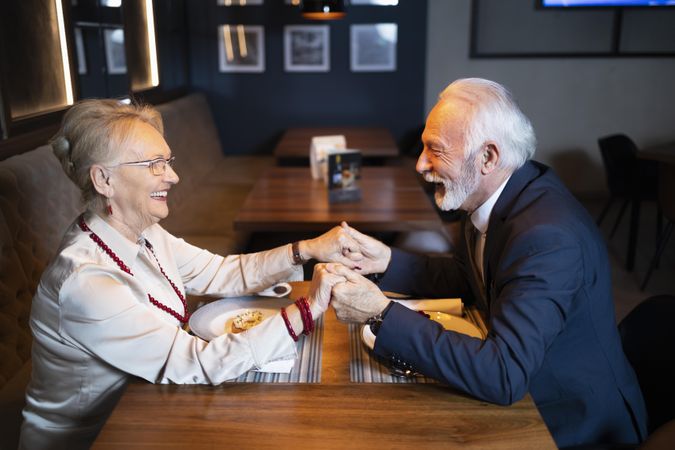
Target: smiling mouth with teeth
[160, 195]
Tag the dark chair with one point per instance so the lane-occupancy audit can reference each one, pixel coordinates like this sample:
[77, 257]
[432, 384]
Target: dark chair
[648, 338]
[630, 179]
[666, 200]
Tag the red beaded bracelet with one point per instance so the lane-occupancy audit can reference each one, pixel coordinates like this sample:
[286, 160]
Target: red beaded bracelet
[309, 314]
[301, 309]
[306, 314]
[288, 325]
[306, 321]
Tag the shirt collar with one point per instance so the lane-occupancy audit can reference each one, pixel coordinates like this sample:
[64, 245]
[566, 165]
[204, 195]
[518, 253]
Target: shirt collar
[480, 218]
[125, 250]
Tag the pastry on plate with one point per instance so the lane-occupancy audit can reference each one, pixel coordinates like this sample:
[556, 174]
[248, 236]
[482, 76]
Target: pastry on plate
[246, 320]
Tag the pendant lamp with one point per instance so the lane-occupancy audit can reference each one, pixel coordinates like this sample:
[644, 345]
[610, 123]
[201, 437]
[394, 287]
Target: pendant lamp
[323, 9]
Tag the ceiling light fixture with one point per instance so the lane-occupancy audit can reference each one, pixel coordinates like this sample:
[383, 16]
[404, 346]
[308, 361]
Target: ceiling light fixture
[323, 9]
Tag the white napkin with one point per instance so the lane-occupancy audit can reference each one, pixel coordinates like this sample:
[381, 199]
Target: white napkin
[279, 366]
[446, 305]
[318, 151]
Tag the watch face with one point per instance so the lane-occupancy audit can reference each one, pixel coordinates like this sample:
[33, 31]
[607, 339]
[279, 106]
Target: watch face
[297, 258]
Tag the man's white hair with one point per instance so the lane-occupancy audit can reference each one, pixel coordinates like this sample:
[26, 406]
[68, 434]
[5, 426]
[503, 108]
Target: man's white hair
[495, 117]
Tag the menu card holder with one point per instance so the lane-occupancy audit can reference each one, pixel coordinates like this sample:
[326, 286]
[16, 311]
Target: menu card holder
[344, 173]
[318, 152]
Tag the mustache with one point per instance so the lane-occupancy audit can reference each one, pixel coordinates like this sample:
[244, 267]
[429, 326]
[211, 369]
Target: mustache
[433, 177]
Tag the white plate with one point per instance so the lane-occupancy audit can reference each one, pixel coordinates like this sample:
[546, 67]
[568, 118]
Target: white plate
[215, 319]
[448, 321]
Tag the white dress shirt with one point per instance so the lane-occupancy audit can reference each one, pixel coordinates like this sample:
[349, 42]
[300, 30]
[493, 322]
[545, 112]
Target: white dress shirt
[94, 327]
[480, 219]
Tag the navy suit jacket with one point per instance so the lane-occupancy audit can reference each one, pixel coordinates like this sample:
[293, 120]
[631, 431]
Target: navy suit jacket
[552, 330]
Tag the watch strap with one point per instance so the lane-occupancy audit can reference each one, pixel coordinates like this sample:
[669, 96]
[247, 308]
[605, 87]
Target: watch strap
[375, 322]
[297, 257]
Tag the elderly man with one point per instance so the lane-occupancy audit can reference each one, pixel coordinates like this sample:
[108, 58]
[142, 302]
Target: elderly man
[531, 257]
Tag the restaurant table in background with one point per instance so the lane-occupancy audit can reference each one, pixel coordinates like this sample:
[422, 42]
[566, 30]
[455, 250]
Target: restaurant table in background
[375, 144]
[288, 199]
[334, 413]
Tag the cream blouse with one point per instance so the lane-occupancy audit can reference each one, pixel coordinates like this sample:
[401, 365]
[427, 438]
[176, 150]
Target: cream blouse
[93, 326]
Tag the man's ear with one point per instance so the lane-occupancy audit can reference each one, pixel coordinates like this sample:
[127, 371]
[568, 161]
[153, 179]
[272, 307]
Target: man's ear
[100, 178]
[489, 155]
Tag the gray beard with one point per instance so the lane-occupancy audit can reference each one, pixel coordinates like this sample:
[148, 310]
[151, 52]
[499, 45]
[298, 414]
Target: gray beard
[456, 192]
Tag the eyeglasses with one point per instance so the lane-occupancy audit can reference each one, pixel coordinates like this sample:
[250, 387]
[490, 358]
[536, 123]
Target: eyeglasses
[157, 166]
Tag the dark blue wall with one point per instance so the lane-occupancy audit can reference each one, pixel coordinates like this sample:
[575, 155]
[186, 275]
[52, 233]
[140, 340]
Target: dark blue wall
[252, 109]
[171, 29]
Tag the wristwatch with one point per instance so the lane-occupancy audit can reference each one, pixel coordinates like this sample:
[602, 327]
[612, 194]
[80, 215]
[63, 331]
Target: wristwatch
[375, 322]
[297, 257]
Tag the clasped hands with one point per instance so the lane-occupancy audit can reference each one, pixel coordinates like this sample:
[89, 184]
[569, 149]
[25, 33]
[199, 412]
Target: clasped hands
[341, 283]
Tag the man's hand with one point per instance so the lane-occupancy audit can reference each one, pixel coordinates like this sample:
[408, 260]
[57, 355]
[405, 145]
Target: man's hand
[371, 255]
[323, 281]
[347, 246]
[356, 299]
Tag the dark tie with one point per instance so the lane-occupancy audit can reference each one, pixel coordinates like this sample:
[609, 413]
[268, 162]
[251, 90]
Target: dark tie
[470, 235]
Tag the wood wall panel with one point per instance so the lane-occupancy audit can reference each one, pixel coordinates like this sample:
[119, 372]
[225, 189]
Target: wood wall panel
[32, 69]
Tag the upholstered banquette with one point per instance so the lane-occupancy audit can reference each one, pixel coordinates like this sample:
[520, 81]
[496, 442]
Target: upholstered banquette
[38, 202]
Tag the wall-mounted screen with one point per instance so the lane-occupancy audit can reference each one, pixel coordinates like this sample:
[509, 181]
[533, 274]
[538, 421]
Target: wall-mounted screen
[601, 3]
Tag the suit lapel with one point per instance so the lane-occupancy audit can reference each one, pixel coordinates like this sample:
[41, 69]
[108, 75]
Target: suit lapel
[520, 179]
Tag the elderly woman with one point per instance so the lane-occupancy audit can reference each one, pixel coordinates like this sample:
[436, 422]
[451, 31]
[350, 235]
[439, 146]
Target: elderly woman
[112, 303]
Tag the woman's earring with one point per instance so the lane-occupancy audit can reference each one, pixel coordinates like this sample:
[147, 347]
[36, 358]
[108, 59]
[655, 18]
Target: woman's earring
[109, 209]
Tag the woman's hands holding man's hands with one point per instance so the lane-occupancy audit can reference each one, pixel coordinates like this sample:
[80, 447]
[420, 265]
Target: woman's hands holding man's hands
[357, 299]
[323, 281]
[345, 245]
[349, 254]
[354, 297]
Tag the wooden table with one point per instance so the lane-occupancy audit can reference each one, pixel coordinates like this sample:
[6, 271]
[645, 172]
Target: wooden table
[373, 142]
[288, 199]
[332, 414]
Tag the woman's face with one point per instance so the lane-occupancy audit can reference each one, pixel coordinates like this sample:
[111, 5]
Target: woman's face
[139, 198]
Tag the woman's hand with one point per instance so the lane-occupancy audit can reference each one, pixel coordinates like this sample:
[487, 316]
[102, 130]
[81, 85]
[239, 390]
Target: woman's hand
[323, 280]
[349, 247]
[357, 299]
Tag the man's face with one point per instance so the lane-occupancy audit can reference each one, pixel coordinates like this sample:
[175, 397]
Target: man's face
[444, 160]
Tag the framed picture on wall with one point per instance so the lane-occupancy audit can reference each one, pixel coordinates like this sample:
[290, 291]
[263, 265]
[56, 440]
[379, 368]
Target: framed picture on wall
[239, 2]
[115, 57]
[374, 2]
[306, 48]
[79, 49]
[373, 47]
[241, 48]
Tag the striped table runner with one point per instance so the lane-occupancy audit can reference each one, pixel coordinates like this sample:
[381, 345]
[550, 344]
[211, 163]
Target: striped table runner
[365, 367]
[307, 367]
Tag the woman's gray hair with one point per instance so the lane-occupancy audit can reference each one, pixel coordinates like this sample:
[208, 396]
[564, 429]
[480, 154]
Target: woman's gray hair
[93, 132]
[495, 117]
